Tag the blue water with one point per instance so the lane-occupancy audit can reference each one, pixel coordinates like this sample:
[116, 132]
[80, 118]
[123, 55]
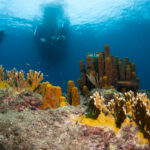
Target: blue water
[123, 24]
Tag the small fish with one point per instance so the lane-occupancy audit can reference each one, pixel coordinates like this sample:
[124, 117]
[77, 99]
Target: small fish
[43, 40]
[57, 38]
[63, 37]
[28, 64]
[35, 31]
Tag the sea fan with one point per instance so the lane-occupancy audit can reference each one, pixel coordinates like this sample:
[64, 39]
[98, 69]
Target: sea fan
[95, 80]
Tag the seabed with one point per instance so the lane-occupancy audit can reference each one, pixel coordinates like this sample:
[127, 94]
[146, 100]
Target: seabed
[62, 128]
[103, 114]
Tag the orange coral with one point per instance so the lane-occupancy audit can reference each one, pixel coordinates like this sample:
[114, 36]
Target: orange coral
[46, 96]
[52, 96]
[55, 95]
[69, 89]
[75, 97]
[63, 102]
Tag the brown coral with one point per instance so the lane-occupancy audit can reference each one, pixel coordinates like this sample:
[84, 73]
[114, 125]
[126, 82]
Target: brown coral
[106, 71]
[75, 96]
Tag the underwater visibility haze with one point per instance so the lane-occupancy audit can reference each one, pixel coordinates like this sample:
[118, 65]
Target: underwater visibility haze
[74, 74]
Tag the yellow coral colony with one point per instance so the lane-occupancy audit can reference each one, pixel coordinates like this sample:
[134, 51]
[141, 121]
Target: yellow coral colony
[33, 79]
[3, 83]
[18, 82]
[130, 108]
[106, 121]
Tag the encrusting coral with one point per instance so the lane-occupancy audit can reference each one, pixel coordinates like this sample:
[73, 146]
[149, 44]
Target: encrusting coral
[122, 110]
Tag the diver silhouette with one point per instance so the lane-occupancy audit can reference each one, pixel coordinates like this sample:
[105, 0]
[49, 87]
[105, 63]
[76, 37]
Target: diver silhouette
[51, 35]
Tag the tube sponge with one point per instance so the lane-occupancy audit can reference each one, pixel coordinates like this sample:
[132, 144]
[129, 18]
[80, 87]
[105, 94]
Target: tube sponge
[70, 85]
[83, 72]
[46, 91]
[75, 96]
[106, 51]
[55, 95]
[63, 102]
[85, 91]
[108, 69]
[51, 96]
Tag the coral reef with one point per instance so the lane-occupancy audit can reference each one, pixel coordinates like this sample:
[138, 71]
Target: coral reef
[56, 129]
[103, 118]
[107, 71]
[121, 110]
[18, 82]
[140, 111]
